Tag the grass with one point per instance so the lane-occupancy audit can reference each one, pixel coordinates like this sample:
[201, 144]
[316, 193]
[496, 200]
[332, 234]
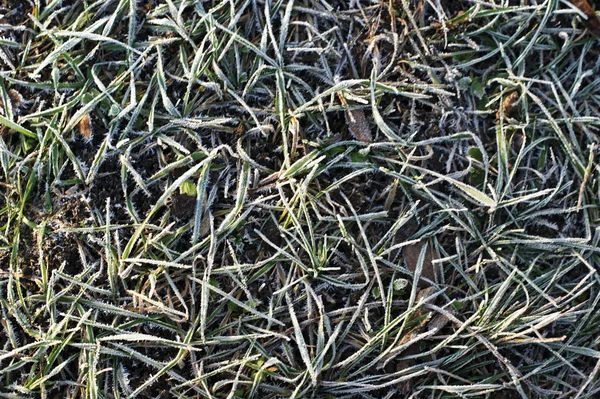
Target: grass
[299, 199]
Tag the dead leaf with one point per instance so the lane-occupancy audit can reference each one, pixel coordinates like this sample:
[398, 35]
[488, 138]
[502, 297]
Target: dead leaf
[411, 257]
[358, 125]
[507, 105]
[357, 122]
[592, 23]
[85, 126]
[16, 99]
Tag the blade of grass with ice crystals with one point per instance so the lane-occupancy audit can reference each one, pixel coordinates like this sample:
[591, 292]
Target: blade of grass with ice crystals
[124, 159]
[567, 146]
[281, 106]
[285, 24]
[98, 159]
[162, 85]
[17, 128]
[271, 34]
[201, 188]
[237, 302]
[471, 192]
[345, 84]
[242, 190]
[161, 201]
[247, 44]
[377, 115]
[95, 37]
[62, 48]
[34, 382]
[300, 341]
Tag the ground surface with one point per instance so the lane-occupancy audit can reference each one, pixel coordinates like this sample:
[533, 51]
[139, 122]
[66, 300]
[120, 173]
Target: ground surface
[299, 199]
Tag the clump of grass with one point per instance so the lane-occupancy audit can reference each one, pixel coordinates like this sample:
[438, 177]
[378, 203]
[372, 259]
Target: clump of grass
[298, 199]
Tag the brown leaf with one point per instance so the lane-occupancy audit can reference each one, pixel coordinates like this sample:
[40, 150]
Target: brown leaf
[592, 22]
[16, 99]
[357, 122]
[358, 125]
[411, 257]
[507, 105]
[85, 126]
